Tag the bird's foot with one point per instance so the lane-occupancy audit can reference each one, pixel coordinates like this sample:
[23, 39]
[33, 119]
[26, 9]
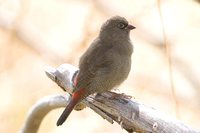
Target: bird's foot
[121, 96]
[114, 95]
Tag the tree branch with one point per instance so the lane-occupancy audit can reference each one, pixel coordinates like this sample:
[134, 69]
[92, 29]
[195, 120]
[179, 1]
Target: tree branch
[130, 114]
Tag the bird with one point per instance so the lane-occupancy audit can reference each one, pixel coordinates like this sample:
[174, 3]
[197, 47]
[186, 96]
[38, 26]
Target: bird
[105, 64]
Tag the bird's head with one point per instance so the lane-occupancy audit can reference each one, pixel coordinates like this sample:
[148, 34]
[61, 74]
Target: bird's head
[115, 28]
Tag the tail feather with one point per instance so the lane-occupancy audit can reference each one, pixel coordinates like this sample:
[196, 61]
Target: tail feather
[67, 111]
[76, 97]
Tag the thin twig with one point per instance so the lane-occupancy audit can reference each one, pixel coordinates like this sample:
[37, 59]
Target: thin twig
[169, 60]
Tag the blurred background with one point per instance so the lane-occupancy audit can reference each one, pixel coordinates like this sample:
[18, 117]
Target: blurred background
[39, 33]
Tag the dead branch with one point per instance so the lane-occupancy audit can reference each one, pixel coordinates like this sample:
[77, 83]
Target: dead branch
[130, 114]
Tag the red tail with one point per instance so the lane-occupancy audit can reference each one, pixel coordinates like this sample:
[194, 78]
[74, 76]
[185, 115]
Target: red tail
[76, 97]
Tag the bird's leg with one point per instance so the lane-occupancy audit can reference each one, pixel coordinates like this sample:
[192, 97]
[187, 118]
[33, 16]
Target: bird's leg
[119, 95]
[114, 95]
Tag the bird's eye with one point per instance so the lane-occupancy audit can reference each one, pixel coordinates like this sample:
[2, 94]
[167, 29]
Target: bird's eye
[121, 25]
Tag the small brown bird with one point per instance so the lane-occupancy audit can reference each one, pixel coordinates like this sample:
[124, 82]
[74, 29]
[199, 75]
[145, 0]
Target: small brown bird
[105, 64]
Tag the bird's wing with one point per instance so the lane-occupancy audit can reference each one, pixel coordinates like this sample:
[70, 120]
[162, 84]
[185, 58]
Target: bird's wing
[94, 60]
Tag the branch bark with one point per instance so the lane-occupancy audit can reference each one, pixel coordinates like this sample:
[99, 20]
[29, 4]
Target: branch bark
[129, 113]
